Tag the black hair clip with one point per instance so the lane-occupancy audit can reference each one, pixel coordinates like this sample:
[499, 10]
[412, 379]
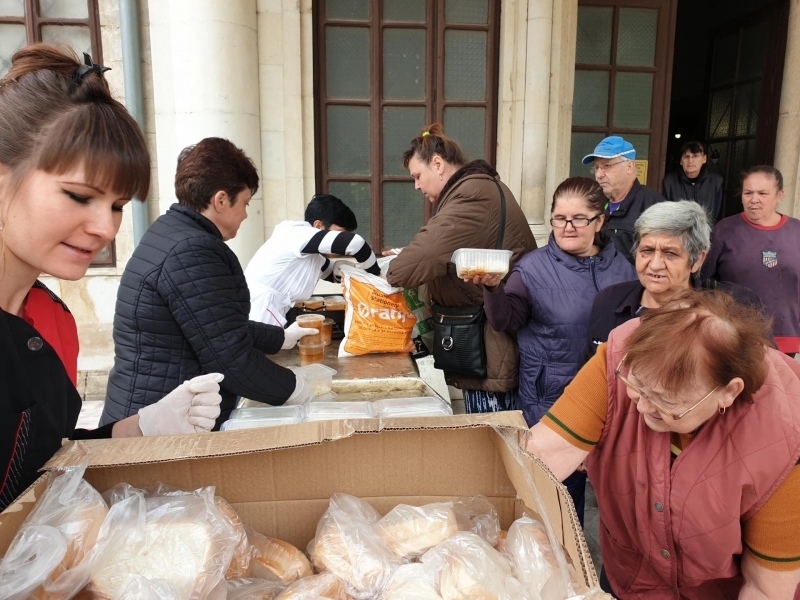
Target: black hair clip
[88, 67]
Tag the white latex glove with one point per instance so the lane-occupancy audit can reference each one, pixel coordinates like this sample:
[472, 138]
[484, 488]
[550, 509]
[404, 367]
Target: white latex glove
[337, 270]
[293, 333]
[192, 407]
[303, 394]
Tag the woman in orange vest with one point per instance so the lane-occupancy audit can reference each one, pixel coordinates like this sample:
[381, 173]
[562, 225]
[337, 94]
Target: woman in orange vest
[690, 427]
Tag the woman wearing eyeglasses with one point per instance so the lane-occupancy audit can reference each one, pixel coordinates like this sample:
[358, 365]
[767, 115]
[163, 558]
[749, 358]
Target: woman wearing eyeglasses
[548, 297]
[670, 243]
[689, 425]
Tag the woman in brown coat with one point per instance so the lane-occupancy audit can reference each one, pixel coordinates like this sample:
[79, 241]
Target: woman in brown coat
[466, 214]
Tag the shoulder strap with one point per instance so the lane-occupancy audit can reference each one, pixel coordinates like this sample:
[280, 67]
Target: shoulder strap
[502, 233]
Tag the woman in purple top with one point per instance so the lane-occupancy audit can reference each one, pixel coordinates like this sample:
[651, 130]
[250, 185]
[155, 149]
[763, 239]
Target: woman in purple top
[548, 298]
[760, 249]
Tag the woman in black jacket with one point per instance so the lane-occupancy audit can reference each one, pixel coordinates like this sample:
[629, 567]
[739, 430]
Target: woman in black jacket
[71, 158]
[671, 240]
[183, 304]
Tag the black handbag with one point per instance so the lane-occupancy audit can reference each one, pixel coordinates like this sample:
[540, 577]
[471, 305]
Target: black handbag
[459, 344]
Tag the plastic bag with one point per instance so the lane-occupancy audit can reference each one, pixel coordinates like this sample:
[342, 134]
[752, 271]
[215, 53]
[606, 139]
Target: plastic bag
[593, 594]
[501, 541]
[468, 567]
[411, 582]
[136, 587]
[325, 586]
[276, 560]
[477, 515]
[347, 546]
[410, 531]
[528, 549]
[377, 317]
[185, 541]
[254, 589]
[69, 508]
[240, 563]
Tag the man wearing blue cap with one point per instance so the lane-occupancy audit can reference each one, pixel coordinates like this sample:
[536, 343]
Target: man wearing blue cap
[615, 170]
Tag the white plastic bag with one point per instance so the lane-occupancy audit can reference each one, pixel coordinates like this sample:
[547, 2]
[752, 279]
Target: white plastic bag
[468, 567]
[317, 587]
[410, 531]
[528, 549]
[276, 560]
[136, 587]
[186, 541]
[412, 582]
[240, 562]
[477, 515]
[71, 509]
[254, 589]
[347, 546]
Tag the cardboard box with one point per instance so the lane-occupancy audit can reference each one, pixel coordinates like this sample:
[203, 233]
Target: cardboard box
[279, 479]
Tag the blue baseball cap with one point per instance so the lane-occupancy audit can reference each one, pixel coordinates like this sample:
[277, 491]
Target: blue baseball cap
[611, 147]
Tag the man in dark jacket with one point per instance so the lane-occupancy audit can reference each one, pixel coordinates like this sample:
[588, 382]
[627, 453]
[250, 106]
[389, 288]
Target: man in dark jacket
[693, 181]
[615, 170]
[183, 302]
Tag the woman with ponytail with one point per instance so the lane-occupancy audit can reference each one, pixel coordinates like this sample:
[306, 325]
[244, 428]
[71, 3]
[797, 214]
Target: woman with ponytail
[468, 212]
[71, 159]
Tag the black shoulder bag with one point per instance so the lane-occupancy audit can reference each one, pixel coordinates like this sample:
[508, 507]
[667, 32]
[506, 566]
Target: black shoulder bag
[459, 346]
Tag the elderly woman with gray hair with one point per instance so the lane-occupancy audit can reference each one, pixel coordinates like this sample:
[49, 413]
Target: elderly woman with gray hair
[670, 243]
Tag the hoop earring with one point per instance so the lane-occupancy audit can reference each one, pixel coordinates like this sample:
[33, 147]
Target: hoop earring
[722, 410]
[440, 178]
[2, 224]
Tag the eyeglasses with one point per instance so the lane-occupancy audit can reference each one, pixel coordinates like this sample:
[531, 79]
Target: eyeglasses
[605, 168]
[576, 223]
[655, 404]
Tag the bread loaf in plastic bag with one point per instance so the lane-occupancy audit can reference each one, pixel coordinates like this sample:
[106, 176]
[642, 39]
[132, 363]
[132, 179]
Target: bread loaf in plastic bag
[347, 546]
[136, 587]
[254, 589]
[325, 586]
[185, 540]
[54, 550]
[412, 582]
[528, 549]
[276, 560]
[410, 531]
[469, 568]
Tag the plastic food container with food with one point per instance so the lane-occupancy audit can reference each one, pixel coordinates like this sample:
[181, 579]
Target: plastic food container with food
[311, 322]
[314, 303]
[335, 303]
[475, 261]
[329, 411]
[319, 377]
[413, 407]
[267, 416]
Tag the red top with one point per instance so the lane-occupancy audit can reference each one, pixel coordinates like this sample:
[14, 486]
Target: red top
[50, 317]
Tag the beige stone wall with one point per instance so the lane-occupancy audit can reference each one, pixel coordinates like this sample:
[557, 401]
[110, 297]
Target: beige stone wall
[286, 72]
[537, 70]
[93, 298]
[787, 145]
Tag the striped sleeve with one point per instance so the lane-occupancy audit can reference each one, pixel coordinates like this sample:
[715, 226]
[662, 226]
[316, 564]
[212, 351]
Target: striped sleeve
[579, 415]
[344, 243]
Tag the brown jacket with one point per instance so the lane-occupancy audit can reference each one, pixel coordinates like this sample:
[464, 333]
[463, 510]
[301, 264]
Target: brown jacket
[467, 215]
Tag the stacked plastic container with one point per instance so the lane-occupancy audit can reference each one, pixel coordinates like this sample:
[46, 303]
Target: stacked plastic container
[272, 416]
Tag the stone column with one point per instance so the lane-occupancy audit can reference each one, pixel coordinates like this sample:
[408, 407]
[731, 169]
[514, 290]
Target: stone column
[206, 83]
[537, 102]
[787, 144]
[285, 63]
[562, 90]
